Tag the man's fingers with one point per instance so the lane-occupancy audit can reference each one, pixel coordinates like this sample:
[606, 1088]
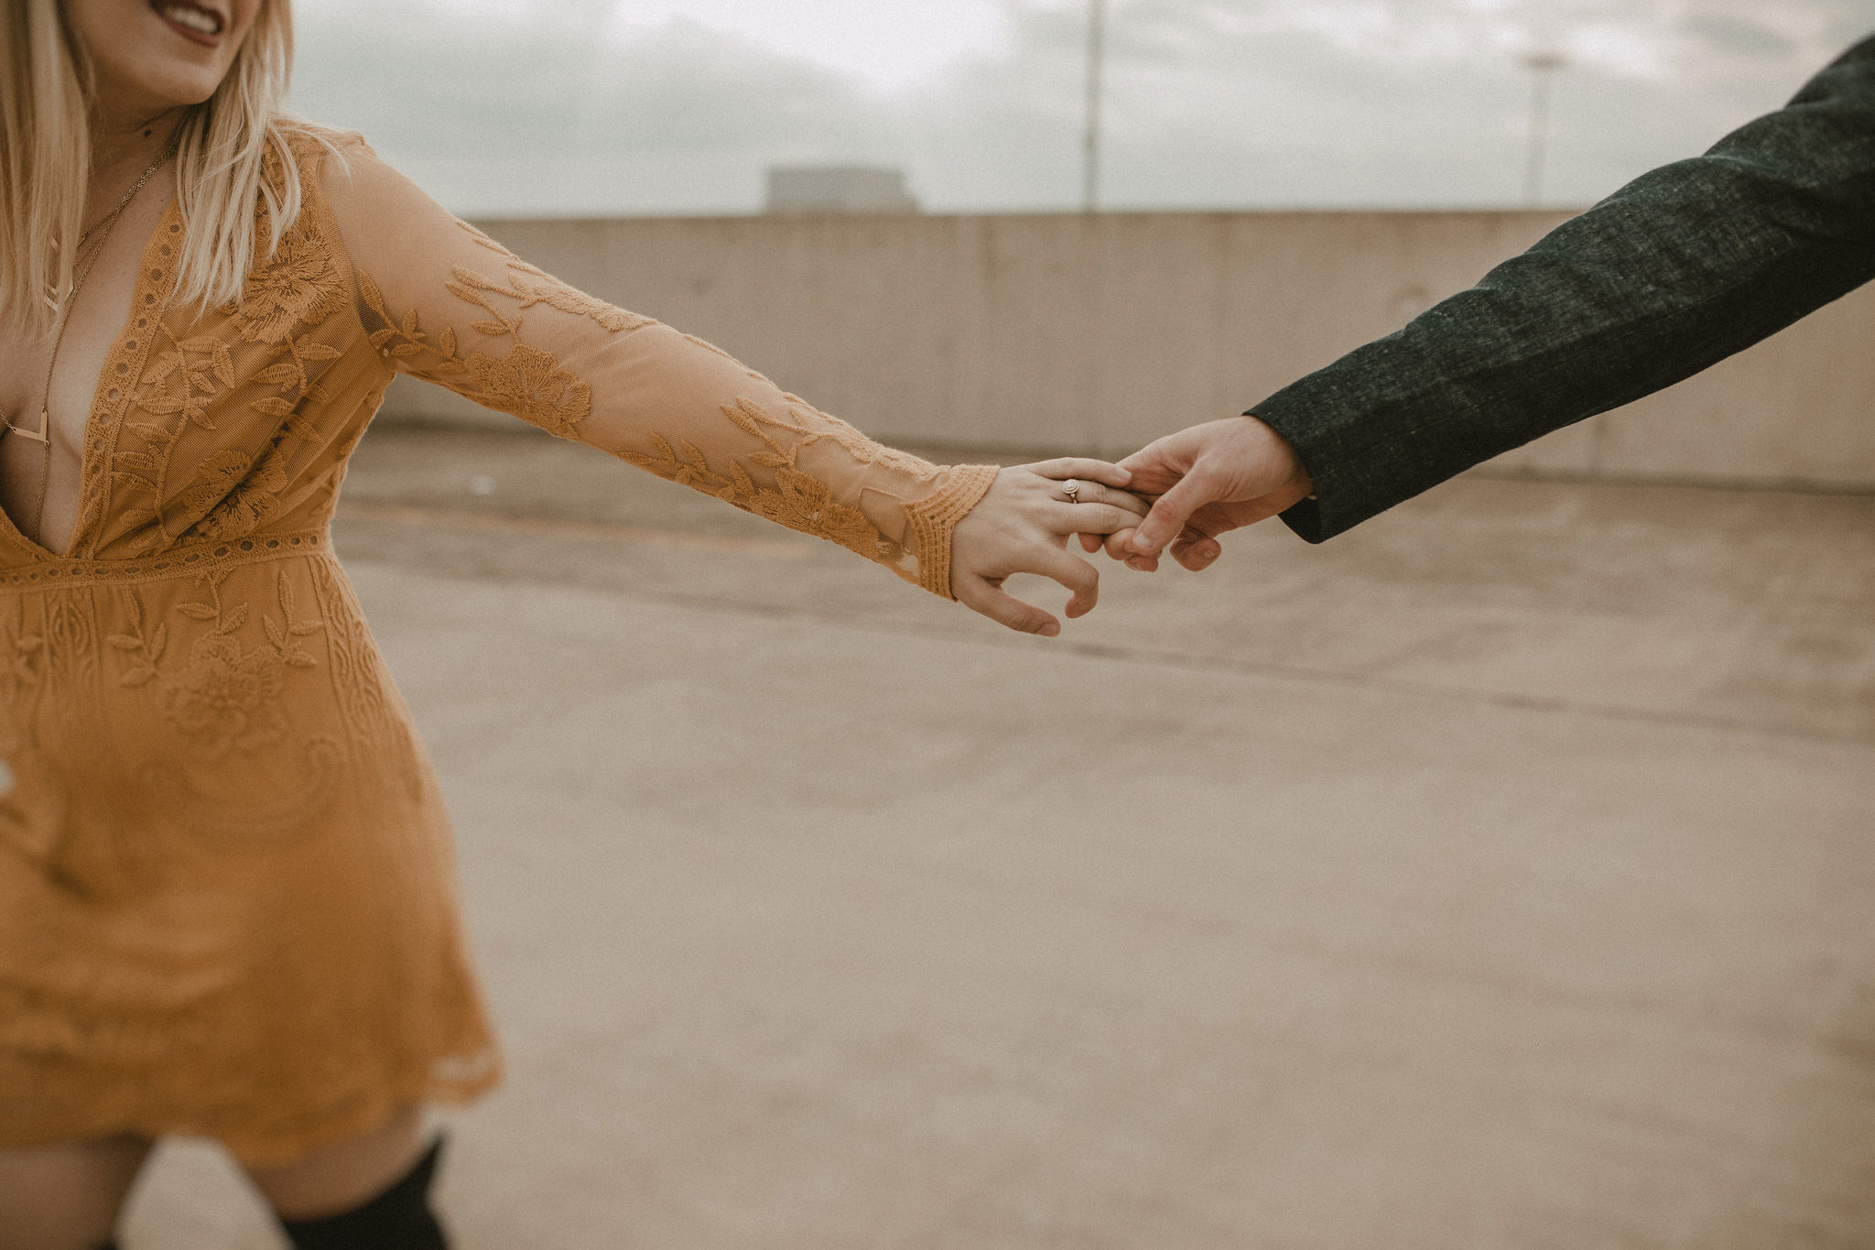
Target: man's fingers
[1169, 514]
[1090, 543]
[1119, 546]
[1195, 551]
[989, 598]
[1150, 458]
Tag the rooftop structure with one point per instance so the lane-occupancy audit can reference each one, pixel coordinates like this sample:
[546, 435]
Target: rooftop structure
[838, 189]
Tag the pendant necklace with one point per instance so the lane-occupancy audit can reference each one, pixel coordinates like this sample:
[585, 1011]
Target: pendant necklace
[43, 435]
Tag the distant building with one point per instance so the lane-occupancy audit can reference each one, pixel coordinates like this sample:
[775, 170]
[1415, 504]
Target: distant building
[838, 189]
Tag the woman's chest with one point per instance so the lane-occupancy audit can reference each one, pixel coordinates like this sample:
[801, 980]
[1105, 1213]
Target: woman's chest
[172, 421]
[59, 373]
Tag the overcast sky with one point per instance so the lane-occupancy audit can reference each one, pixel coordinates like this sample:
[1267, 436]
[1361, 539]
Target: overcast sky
[679, 106]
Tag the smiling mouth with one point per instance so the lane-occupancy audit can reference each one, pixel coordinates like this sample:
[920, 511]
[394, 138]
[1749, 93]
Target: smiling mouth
[191, 19]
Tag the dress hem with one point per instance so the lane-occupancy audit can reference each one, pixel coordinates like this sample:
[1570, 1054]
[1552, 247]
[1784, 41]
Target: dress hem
[269, 1150]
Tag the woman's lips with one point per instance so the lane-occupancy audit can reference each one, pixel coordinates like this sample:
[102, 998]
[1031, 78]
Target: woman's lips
[192, 21]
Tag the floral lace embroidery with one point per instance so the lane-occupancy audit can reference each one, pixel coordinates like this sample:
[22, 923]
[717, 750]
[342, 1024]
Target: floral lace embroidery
[530, 384]
[71, 637]
[300, 284]
[526, 382]
[799, 501]
[231, 492]
[225, 697]
[547, 290]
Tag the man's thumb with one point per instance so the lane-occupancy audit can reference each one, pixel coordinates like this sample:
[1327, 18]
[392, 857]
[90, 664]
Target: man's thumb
[1169, 513]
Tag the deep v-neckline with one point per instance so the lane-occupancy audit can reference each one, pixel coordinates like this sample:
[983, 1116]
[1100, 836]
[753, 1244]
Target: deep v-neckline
[149, 299]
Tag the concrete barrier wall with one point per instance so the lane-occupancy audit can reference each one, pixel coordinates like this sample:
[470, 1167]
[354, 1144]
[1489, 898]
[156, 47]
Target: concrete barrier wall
[1096, 334]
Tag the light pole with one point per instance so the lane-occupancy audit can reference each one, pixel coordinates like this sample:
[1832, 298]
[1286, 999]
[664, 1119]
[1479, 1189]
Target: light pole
[1090, 139]
[1543, 67]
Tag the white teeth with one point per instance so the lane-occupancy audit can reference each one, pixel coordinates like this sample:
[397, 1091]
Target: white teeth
[193, 18]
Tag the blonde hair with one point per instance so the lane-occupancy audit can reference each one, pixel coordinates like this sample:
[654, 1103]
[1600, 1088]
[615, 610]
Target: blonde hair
[232, 152]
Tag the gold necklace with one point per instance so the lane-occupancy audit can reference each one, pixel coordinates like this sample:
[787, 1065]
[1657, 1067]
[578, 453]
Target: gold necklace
[43, 435]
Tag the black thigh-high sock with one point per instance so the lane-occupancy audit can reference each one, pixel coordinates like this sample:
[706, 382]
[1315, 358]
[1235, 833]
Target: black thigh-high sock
[397, 1219]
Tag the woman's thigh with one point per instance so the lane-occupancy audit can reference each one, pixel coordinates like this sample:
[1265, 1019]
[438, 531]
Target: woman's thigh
[349, 1174]
[66, 1197]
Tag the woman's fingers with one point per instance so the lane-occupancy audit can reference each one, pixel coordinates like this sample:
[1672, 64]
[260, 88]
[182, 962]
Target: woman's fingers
[988, 597]
[1114, 498]
[1022, 526]
[1087, 492]
[1081, 468]
[1080, 577]
[1091, 518]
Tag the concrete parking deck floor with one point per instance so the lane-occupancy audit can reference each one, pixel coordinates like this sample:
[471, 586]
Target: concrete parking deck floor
[1500, 875]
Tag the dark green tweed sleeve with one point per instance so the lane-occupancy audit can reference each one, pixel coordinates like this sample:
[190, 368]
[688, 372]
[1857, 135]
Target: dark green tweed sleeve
[1676, 271]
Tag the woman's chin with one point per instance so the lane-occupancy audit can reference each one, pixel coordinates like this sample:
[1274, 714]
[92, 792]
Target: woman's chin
[153, 94]
[144, 66]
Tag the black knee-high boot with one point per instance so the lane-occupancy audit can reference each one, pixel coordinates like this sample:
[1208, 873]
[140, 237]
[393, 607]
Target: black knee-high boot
[397, 1219]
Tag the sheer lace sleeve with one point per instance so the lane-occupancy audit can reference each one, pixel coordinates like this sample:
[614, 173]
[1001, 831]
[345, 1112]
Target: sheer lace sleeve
[445, 303]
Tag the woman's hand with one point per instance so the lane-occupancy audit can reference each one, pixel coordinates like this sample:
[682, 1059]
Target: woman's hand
[1023, 525]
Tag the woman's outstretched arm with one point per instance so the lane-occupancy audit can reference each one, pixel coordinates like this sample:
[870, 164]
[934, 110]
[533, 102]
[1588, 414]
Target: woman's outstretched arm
[445, 303]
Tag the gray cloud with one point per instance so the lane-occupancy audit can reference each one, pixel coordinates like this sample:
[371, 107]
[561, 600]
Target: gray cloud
[1736, 36]
[1213, 103]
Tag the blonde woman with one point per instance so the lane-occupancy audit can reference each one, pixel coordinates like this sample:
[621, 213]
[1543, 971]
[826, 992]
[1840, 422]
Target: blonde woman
[226, 901]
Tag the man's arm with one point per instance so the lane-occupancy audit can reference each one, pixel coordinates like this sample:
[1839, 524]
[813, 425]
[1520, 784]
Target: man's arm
[1676, 271]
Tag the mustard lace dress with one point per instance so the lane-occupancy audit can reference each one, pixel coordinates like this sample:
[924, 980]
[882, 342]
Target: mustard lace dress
[227, 901]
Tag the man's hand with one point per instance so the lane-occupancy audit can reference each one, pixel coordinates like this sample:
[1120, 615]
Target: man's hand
[1208, 479]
